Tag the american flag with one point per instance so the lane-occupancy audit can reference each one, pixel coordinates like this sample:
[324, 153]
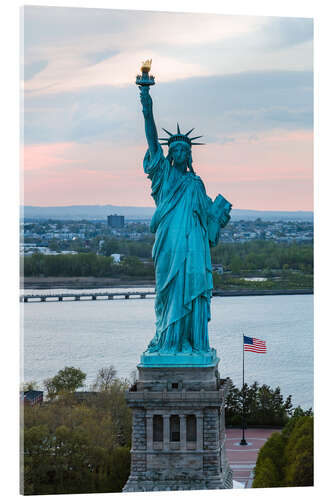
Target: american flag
[254, 345]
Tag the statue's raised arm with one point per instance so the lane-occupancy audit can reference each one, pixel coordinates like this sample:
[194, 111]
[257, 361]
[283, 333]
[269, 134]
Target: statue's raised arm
[144, 81]
[150, 127]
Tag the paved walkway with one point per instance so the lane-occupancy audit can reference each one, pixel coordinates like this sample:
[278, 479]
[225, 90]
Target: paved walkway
[242, 459]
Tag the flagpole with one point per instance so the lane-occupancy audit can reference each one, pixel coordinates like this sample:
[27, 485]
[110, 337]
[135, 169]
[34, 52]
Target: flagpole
[243, 441]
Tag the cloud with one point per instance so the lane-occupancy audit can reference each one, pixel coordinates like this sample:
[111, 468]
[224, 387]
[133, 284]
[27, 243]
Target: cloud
[32, 69]
[283, 32]
[219, 139]
[49, 26]
[68, 73]
[48, 157]
[250, 101]
[216, 106]
[97, 57]
[84, 116]
[273, 172]
[244, 82]
[69, 173]
[88, 48]
[129, 28]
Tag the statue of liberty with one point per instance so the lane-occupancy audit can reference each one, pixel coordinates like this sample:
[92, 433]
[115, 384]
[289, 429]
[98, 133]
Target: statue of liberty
[186, 223]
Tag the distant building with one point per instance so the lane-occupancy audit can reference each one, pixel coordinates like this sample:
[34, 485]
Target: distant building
[32, 397]
[116, 257]
[116, 221]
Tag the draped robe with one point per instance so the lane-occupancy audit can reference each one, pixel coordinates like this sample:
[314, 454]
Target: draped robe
[181, 257]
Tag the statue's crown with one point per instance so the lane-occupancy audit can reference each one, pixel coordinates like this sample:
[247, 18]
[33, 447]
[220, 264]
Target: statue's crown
[180, 137]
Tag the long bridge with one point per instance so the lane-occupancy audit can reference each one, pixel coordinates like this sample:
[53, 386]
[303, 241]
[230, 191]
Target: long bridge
[108, 295]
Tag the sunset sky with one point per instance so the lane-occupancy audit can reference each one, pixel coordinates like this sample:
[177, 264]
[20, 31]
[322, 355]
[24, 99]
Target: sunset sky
[245, 83]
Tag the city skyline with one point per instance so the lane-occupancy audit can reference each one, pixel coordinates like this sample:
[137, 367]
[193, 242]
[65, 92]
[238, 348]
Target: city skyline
[245, 83]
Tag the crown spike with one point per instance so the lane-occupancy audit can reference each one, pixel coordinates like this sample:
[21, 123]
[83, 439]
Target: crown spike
[167, 141]
[187, 133]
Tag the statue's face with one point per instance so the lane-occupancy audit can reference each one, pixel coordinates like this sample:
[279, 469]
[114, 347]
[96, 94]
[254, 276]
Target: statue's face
[180, 152]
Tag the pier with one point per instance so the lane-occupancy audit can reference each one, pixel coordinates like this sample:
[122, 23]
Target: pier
[107, 295]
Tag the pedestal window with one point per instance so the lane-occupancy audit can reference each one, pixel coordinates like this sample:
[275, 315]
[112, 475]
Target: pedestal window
[175, 428]
[191, 428]
[157, 428]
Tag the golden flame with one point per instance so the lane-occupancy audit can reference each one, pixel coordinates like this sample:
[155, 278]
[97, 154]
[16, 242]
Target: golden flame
[146, 65]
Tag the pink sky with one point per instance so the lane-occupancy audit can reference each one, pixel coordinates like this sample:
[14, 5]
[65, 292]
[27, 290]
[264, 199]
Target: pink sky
[273, 172]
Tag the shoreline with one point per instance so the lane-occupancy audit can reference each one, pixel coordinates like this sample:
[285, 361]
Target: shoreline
[245, 293]
[83, 283]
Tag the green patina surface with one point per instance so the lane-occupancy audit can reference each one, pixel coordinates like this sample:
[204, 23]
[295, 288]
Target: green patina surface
[186, 224]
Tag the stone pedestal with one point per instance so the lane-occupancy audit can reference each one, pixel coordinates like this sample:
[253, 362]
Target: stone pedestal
[178, 439]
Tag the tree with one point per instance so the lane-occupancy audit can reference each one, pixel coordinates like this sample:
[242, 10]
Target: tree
[267, 475]
[236, 265]
[120, 464]
[79, 446]
[67, 380]
[286, 459]
[271, 454]
[50, 388]
[300, 473]
[299, 412]
[110, 246]
[262, 405]
[299, 453]
[105, 378]
[32, 385]
[37, 446]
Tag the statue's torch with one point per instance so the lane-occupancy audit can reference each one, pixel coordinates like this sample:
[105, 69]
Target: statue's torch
[145, 79]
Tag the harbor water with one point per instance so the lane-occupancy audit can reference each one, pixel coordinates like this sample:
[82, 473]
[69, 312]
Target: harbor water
[94, 334]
